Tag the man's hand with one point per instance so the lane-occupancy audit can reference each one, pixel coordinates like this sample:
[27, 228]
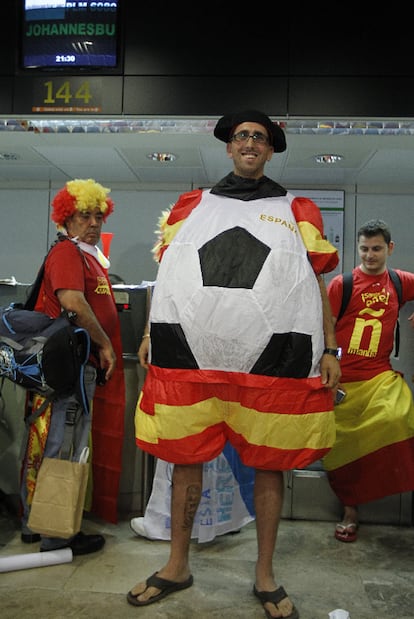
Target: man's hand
[143, 351]
[107, 360]
[75, 301]
[330, 371]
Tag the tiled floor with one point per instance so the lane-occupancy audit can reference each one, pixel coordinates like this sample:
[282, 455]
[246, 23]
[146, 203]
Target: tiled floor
[371, 579]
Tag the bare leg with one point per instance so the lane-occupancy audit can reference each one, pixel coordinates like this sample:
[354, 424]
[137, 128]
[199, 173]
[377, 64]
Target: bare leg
[185, 498]
[346, 530]
[350, 514]
[268, 499]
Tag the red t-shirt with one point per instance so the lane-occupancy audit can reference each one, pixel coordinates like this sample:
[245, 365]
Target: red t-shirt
[70, 269]
[366, 331]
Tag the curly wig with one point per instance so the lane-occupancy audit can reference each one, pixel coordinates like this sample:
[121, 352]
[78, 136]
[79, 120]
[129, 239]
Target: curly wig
[80, 195]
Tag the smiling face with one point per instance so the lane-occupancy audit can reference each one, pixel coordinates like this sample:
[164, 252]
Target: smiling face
[249, 155]
[373, 252]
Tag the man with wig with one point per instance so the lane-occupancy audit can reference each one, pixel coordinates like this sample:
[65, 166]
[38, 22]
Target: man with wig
[76, 281]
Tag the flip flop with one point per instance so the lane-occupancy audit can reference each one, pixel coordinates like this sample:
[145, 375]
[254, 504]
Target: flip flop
[346, 532]
[275, 597]
[166, 587]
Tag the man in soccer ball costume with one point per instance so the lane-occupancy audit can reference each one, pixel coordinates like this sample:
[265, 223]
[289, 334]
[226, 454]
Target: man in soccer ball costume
[240, 345]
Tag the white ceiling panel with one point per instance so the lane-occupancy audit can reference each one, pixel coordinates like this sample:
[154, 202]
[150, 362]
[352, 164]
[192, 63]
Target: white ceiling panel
[115, 152]
[164, 174]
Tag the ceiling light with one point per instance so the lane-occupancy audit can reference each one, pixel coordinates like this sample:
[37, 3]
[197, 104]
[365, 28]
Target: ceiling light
[162, 157]
[328, 158]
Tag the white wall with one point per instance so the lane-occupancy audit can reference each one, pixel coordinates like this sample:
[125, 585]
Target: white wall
[26, 232]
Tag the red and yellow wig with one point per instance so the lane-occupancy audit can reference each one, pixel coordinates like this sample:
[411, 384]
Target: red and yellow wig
[81, 195]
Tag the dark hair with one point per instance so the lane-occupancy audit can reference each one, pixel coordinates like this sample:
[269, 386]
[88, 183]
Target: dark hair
[374, 227]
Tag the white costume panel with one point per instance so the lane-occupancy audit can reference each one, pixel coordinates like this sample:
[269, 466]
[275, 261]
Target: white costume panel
[284, 297]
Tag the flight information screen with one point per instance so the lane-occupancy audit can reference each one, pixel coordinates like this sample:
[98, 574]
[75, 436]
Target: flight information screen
[69, 34]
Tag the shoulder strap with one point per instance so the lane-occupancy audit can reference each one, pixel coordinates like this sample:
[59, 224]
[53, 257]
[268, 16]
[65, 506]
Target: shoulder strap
[346, 293]
[28, 420]
[34, 289]
[395, 278]
[72, 418]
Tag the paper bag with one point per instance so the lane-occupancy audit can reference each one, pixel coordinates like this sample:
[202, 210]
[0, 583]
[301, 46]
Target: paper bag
[58, 499]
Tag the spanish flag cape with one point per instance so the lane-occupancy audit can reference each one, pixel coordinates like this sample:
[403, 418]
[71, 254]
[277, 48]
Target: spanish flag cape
[373, 455]
[107, 439]
[236, 318]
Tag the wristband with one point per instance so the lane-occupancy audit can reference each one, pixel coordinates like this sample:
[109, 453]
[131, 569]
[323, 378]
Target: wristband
[336, 352]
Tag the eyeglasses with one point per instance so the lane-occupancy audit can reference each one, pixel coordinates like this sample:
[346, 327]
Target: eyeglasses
[244, 136]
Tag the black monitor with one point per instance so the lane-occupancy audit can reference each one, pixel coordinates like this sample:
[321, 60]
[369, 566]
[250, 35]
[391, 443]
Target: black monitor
[58, 34]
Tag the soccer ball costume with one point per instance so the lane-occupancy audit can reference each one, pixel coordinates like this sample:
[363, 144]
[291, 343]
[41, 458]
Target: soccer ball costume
[236, 330]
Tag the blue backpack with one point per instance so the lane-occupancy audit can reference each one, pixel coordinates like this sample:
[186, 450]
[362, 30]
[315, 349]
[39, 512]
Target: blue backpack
[42, 354]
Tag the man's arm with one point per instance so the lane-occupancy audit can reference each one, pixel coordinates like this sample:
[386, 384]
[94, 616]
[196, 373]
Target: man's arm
[74, 301]
[330, 368]
[143, 349]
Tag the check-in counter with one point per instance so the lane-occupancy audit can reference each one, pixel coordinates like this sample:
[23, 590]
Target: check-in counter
[12, 405]
[137, 467]
[308, 496]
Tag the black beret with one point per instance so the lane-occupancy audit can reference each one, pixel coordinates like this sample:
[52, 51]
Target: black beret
[225, 126]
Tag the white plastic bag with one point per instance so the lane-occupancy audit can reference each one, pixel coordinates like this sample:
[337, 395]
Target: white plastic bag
[226, 503]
